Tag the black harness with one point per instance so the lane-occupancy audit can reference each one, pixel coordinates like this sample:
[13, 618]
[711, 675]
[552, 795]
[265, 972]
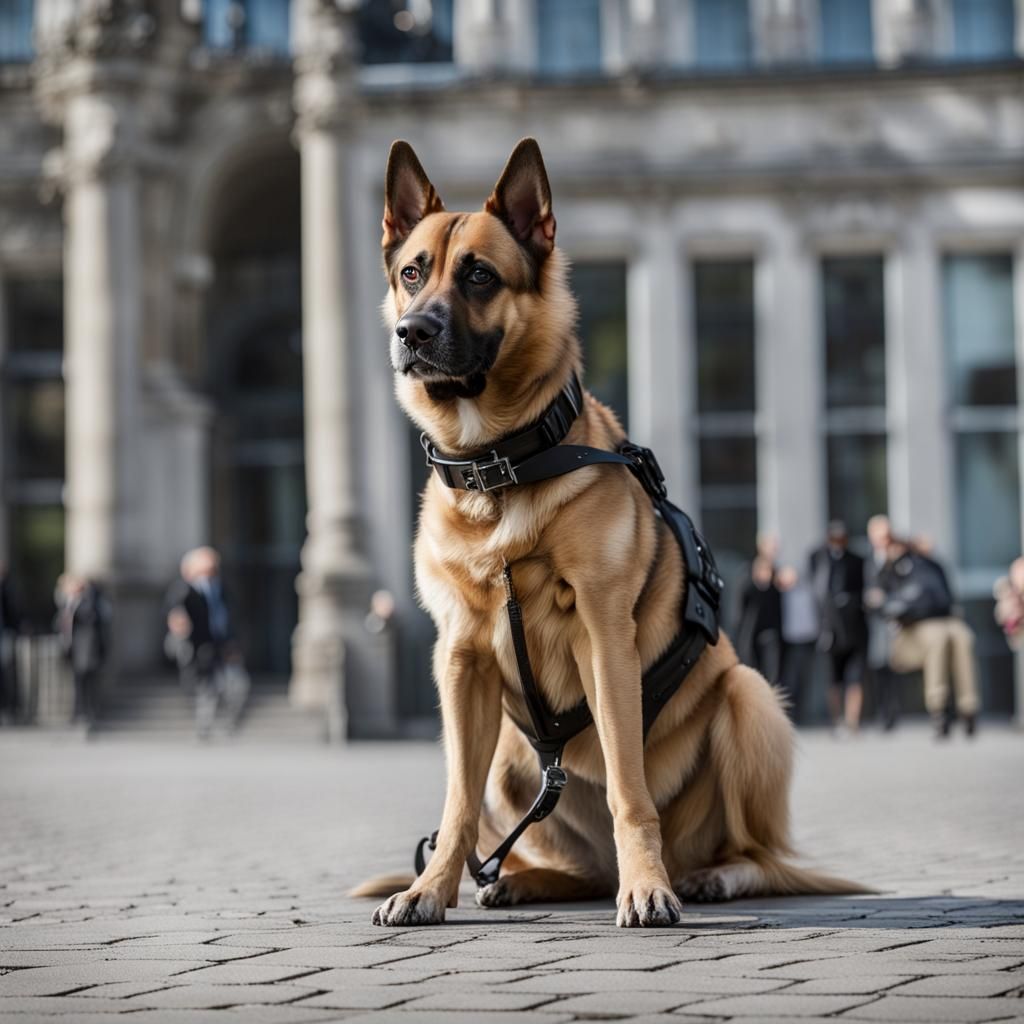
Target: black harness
[534, 454]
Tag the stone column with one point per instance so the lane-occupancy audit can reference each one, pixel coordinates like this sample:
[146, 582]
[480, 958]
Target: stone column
[481, 45]
[89, 80]
[790, 466]
[330, 644]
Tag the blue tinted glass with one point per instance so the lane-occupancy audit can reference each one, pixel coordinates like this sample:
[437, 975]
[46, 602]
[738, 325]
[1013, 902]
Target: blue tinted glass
[569, 36]
[405, 31]
[15, 30]
[722, 33]
[267, 25]
[217, 24]
[846, 31]
[983, 29]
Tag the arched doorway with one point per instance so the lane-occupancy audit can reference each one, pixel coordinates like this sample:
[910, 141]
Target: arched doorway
[254, 368]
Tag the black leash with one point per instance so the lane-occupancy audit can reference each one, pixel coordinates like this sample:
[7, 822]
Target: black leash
[536, 454]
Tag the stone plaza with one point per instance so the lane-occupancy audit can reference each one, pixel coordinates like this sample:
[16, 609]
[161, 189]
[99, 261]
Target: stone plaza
[164, 881]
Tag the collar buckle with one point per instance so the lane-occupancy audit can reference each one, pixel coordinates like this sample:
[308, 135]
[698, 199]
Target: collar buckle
[489, 476]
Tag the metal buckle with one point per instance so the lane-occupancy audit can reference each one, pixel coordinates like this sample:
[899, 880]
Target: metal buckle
[645, 467]
[480, 475]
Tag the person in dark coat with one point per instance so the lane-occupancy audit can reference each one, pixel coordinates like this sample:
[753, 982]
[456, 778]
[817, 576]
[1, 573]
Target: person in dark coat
[83, 620]
[201, 639]
[10, 623]
[759, 637]
[837, 575]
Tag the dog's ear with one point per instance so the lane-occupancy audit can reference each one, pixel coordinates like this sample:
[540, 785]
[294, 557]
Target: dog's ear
[522, 199]
[408, 195]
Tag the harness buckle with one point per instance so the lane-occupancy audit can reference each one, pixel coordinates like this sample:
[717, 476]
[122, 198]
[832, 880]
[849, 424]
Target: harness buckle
[489, 476]
[646, 469]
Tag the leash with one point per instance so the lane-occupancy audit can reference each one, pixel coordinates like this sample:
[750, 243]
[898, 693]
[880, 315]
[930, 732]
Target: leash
[536, 454]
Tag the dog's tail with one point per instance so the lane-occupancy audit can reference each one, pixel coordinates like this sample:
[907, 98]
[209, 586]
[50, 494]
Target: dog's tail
[383, 885]
[790, 880]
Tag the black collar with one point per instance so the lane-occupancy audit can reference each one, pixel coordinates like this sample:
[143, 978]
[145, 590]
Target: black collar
[495, 467]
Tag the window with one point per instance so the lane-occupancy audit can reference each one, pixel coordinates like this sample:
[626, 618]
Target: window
[569, 36]
[727, 444]
[601, 291]
[853, 301]
[978, 301]
[16, 30]
[33, 438]
[978, 298]
[846, 35]
[406, 31]
[983, 29]
[721, 33]
[248, 25]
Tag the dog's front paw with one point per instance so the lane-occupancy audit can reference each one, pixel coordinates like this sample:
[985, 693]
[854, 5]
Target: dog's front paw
[410, 908]
[648, 905]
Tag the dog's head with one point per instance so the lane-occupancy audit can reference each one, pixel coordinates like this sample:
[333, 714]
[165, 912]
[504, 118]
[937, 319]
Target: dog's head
[478, 304]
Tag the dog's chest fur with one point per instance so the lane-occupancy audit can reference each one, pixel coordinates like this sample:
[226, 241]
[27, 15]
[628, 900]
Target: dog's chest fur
[464, 543]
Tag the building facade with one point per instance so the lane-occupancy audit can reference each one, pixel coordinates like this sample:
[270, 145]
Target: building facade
[797, 230]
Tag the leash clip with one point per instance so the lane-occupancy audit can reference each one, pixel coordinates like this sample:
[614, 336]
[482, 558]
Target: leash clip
[646, 469]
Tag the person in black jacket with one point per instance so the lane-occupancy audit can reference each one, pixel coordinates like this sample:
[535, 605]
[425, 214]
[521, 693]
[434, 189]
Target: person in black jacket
[759, 637]
[82, 623]
[927, 635]
[201, 639]
[837, 575]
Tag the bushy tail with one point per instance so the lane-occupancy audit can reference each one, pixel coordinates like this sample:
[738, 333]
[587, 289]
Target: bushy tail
[383, 885]
[789, 880]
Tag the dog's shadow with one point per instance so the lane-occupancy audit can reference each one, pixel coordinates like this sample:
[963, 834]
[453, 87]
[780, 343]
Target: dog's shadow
[815, 912]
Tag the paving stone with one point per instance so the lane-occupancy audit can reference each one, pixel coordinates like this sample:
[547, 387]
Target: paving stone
[778, 1005]
[581, 982]
[403, 1016]
[850, 984]
[202, 996]
[964, 985]
[937, 1009]
[346, 956]
[622, 1003]
[246, 972]
[45, 981]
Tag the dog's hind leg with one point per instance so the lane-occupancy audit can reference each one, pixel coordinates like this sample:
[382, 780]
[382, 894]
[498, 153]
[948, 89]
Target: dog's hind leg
[541, 885]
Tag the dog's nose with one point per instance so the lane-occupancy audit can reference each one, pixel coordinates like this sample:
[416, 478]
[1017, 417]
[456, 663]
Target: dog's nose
[415, 329]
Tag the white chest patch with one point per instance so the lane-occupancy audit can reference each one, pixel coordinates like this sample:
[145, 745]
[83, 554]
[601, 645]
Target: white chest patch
[472, 432]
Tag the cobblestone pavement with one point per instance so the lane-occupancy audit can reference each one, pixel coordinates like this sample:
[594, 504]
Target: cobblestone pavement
[181, 883]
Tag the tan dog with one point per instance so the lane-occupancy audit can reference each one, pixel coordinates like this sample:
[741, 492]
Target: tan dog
[701, 811]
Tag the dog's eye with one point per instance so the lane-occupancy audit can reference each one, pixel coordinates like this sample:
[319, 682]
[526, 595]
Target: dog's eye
[480, 275]
[410, 274]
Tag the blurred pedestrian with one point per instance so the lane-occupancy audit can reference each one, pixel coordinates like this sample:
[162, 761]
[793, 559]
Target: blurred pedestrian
[800, 629]
[82, 623]
[882, 676]
[1008, 592]
[10, 623]
[837, 576]
[759, 636]
[201, 639]
[928, 635]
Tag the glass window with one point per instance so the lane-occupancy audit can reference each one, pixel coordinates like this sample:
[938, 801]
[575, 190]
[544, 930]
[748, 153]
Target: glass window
[36, 424]
[846, 35]
[724, 311]
[978, 300]
[988, 499]
[16, 30]
[569, 36]
[35, 315]
[983, 29]
[600, 289]
[255, 24]
[728, 494]
[36, 559]
[857, 487]
[721, 33]
[854, 304]
[406, 31]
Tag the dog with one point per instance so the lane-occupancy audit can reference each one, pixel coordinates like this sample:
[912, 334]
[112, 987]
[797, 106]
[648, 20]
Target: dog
[483, 340]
